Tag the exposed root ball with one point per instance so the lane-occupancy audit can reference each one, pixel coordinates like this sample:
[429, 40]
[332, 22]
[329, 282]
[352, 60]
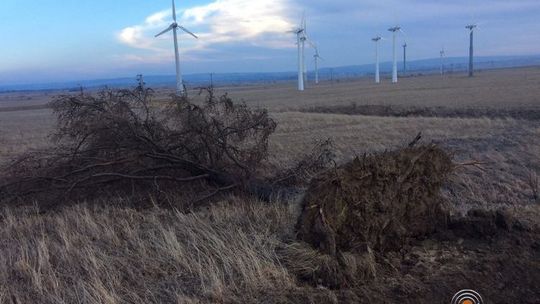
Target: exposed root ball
[377, 201]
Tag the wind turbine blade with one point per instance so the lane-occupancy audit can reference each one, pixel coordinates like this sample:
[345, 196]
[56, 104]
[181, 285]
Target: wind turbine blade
[165, 31]
[312, 44]
[173, 11]
[185, 30]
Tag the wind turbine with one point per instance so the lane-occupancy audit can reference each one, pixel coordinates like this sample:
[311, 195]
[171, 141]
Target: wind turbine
[405, 57]
[394, 30]
[174, 27]
[304, 40]
[471, 28]
[316, 57]
[377, 69]
[442, 61]
[300, 41]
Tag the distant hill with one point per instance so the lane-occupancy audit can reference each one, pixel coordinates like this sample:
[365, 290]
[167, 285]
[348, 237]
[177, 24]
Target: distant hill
[426, 66]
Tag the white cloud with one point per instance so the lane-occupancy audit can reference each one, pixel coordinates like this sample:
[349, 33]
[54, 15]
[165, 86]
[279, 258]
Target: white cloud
[259, 23]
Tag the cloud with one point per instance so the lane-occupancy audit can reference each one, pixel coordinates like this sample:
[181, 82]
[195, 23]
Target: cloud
[254, 23]
[138, 36]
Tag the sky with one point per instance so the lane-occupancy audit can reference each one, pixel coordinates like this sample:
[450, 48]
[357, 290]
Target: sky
[65, 40]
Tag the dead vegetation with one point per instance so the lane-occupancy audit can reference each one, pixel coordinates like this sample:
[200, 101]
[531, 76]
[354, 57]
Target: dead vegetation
[119, 143]
[87, 254]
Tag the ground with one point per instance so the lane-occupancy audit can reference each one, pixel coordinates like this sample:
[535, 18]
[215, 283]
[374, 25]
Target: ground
[230, 253]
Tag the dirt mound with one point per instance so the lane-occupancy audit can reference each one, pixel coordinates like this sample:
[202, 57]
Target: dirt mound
[376, 202]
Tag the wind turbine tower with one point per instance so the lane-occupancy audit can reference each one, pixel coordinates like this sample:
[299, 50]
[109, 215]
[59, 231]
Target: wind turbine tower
[471, 28]
[405, 57]
[317, 57]
[300, 41]
[304, 65]
[377, 69]
[174, 27]
[442, 61]
[394, 30]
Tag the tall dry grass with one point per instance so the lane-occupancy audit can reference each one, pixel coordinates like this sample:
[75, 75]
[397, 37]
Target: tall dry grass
[83, 254]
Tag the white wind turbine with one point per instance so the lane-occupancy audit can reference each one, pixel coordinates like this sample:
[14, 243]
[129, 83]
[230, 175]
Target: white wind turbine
[443, 53]
[404, 57]
[317, 57]
[300, 41]
[394, 30]
[471, 28]
[377, 69]
[305, 39]
[174, 27]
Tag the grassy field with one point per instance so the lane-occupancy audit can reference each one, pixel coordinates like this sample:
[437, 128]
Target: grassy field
[234, 251]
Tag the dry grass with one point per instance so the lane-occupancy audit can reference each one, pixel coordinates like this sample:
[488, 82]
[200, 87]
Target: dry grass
[237, 251]
[21, 131]
[117, 255]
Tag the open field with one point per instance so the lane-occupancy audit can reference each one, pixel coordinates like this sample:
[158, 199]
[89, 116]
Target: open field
[240, 251]
[509, 147]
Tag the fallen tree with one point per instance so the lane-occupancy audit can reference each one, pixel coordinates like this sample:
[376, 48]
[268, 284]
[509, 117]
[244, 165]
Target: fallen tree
[120, 142]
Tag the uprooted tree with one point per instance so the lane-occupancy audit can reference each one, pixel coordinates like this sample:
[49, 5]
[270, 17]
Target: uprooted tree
[121, 142]
[368, 207]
